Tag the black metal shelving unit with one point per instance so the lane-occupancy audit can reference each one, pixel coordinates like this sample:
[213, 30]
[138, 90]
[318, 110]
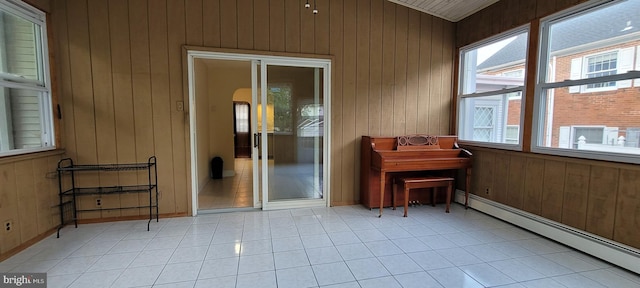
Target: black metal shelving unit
[68, 197]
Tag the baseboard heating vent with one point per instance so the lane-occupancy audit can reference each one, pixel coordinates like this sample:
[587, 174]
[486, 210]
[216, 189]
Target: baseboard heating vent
[611, 251]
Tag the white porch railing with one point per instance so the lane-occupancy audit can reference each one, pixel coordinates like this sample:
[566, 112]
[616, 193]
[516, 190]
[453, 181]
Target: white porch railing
[619, 148]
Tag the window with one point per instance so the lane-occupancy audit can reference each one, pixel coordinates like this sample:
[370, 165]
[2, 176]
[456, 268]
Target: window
[601, 65]
[279, 96]
[483, 127]
[26, 123]
[241, 112]
[515, 74]
[632, 138]
[582, 134]
[587, 93]
[491, 77]
[512, 135]
[588, 135]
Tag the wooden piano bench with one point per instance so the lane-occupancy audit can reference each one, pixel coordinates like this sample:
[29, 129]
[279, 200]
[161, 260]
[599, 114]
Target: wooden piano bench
[421, 182]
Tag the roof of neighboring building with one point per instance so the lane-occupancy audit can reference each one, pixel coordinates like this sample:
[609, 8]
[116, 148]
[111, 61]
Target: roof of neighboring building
[600, 25]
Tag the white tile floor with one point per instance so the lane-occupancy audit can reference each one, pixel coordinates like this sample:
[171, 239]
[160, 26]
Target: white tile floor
[328, 247]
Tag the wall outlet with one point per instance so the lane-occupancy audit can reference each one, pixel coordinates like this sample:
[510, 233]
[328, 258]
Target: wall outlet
[98, 202]
[487, 190]
[8, 226]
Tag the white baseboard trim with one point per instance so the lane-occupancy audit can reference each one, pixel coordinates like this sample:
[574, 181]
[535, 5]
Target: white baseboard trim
[616, 253]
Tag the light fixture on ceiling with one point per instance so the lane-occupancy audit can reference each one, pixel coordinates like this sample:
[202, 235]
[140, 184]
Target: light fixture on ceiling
[315, 8]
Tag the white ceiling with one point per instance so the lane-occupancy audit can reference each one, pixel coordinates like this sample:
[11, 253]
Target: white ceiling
[452, 10]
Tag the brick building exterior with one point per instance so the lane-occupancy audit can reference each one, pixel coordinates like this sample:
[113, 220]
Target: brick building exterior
[607, 112]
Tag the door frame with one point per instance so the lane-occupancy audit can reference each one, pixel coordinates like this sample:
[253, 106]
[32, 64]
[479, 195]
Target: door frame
[193, 53]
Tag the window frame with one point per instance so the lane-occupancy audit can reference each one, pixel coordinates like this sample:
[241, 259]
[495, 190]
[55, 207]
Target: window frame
[542, 85]
[460, 97]
[41, 86]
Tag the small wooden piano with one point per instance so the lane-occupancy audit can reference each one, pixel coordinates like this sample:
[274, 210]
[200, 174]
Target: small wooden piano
[410, 155]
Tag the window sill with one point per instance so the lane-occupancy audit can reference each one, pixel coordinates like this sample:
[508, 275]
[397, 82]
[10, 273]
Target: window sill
[503, 146]
[30, 156]
[589, 155]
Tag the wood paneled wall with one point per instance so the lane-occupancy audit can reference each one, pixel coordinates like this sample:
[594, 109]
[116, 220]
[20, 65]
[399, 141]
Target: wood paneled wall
[28, 199]
[44, 5]
[595, 196]
[120, 73]
[505, 15]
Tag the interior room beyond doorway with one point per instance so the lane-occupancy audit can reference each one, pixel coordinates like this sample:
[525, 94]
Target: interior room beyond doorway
[229, 192]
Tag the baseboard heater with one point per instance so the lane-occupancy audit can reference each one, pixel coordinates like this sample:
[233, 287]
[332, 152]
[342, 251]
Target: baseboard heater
[608, 250]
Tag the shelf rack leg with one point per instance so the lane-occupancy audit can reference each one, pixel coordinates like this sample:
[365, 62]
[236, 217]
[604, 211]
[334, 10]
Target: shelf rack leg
[150, 210]
[155, 175]
[61, 208]
[152, 162]
[157, 208]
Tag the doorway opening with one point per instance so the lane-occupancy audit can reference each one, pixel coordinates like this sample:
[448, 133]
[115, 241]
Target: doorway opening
[274, 142]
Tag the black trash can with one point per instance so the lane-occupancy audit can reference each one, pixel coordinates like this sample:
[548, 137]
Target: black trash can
[216, 168]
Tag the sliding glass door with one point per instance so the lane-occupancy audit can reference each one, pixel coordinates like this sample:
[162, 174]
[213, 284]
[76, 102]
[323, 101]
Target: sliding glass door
[288, 127]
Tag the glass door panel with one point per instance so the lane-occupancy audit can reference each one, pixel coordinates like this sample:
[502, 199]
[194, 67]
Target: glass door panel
[293, 133]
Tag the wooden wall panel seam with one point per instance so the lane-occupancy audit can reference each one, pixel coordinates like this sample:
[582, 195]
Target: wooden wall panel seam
[161, 102]
[64, 87]
[425, 70]
[388, 71]
[349, 70]
[400, 66]
[175, 40]
[336, 33]
[362, 21]
[101, 71]
[436, 76]
[82, 92]
[411, 107]
[615, 211]
[375, 69]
